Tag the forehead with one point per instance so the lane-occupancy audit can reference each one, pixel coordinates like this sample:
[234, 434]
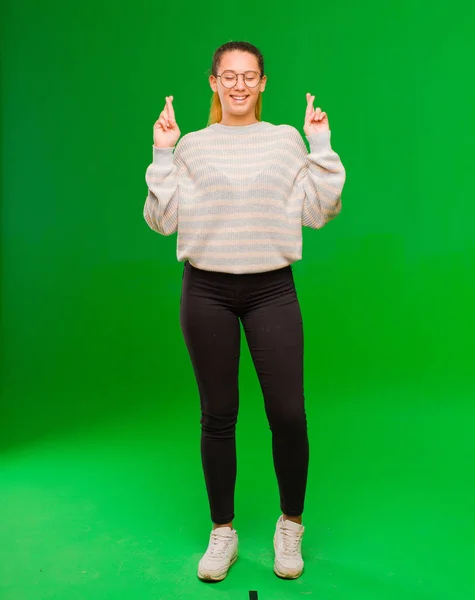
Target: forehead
[236, 60]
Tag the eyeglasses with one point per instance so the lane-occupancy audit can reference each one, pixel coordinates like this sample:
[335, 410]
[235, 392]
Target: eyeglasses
[230, 78]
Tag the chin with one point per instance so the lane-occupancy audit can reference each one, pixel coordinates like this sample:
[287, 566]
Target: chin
[241, 110]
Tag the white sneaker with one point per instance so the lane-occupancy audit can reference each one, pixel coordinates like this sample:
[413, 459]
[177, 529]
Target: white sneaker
[222, 552]
[288, 561]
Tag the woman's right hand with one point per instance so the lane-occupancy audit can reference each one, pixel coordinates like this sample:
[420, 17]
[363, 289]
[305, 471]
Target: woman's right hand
[165, 130]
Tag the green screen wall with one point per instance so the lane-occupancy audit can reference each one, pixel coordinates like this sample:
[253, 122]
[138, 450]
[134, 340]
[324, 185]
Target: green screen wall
[90, 295]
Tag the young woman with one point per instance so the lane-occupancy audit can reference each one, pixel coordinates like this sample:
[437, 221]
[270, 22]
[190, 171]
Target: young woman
[238, 193]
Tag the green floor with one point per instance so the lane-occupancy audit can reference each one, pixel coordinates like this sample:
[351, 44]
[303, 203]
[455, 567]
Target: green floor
[119, 510]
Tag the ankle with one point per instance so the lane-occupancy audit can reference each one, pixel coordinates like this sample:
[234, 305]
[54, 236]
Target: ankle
[294, 519]
[216, 525]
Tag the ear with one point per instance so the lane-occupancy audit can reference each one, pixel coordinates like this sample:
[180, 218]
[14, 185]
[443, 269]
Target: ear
[213, 83]
[263, 83]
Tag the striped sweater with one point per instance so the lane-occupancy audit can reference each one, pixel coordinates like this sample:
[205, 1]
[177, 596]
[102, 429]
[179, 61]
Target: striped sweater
[238, 196]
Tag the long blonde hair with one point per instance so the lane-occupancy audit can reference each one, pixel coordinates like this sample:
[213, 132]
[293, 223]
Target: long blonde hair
[216, 110]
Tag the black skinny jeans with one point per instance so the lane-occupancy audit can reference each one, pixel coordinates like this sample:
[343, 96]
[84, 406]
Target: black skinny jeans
[212, 306]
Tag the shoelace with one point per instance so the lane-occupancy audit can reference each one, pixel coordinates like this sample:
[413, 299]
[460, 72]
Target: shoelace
[290, 542]
[219, 544]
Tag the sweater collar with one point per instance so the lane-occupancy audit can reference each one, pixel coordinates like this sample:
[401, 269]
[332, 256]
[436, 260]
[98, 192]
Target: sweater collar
[259, 126]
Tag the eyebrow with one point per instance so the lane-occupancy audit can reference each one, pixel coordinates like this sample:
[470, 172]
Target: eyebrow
[233, 71]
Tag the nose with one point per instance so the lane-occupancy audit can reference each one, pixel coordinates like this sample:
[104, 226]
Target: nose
[240, 85]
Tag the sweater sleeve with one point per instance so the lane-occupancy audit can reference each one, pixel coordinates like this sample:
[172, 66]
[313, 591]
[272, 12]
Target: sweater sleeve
[163, 178]
[322, 177]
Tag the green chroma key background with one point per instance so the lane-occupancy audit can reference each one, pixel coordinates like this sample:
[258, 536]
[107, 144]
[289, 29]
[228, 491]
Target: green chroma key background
[101, 488]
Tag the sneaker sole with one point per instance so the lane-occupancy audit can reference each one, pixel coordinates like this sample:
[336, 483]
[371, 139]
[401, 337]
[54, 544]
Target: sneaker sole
[285, 575]
[207, 577]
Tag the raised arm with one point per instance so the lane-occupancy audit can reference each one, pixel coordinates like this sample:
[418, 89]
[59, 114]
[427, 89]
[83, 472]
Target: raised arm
[323, 174]
[163, 174]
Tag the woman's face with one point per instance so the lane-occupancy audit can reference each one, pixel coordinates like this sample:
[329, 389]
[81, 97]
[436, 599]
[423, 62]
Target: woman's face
[238, 102]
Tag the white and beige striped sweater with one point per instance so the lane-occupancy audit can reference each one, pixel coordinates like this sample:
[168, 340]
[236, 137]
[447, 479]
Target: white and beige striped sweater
[238, 196]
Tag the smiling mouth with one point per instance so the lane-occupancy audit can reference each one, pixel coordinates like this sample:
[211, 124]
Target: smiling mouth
[239, 98]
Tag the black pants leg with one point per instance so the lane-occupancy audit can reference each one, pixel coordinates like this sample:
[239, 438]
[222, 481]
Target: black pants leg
[212, 307]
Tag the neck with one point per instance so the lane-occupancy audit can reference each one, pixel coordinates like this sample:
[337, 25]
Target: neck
[233, 121]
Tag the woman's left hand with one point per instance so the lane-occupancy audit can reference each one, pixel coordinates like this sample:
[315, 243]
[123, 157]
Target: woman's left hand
[316, 121]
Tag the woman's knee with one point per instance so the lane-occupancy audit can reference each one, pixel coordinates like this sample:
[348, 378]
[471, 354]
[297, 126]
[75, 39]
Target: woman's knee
[292, 422]
[219, 425]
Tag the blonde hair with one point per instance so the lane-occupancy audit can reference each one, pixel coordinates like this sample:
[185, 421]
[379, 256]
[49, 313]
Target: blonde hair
[216, 110]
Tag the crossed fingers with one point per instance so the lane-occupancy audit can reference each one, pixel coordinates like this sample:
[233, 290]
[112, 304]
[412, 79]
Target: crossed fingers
[167, 116]
[312, 114]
